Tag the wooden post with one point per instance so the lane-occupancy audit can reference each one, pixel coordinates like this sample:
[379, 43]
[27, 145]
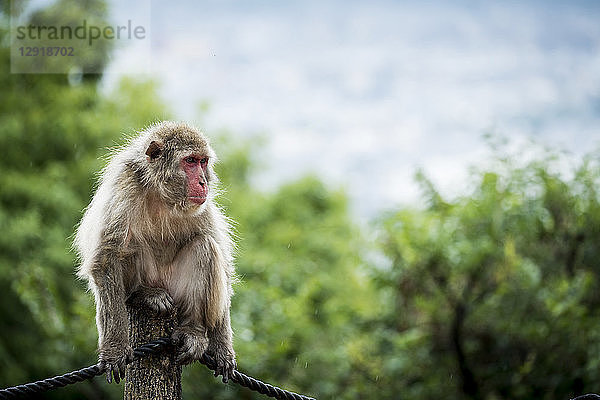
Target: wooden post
[155, 376]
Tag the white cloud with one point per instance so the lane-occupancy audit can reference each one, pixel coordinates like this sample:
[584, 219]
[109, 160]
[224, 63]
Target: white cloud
[371, 90]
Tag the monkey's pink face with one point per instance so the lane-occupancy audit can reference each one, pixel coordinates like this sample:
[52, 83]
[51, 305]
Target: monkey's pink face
[194, 166]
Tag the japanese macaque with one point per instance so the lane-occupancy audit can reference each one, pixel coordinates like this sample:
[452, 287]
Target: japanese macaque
[154, 234]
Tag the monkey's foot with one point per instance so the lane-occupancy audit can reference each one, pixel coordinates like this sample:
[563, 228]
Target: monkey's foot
[224, 357]
[113, 359]
[156, 299]
[191, 346]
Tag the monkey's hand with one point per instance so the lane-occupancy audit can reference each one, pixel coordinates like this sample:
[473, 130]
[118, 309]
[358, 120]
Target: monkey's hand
[190, 345]
[224, 357]
[154, 298]
[113, 358]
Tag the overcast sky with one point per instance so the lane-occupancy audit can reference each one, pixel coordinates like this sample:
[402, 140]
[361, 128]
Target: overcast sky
[363, 93]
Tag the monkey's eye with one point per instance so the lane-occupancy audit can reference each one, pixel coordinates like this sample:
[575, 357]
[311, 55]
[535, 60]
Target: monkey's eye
[191, 160]
[204, 161]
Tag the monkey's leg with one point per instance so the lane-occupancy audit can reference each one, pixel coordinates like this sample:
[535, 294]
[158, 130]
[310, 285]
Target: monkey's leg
[220, 347]
[111, 316]
[192, 342]
[155, 298]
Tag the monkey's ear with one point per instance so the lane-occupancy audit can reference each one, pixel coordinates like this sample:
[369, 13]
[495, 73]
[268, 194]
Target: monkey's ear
[154, 150]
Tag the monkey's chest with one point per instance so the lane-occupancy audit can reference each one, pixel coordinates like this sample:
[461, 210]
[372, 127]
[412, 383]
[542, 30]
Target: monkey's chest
[168, 265]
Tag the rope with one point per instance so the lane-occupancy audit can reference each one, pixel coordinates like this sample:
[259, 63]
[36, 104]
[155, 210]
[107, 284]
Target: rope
[80, 375]
[256, 385]
[153, 347]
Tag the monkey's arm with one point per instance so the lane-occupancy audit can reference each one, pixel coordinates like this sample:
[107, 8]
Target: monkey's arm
[220, 347]
[220, 334]
[111, 314]
[202, 292]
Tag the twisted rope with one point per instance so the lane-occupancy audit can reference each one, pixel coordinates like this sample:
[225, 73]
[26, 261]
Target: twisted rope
[153, 347]
[255, 384]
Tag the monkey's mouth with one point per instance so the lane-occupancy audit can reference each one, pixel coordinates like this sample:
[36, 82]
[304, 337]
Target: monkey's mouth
[197, 199]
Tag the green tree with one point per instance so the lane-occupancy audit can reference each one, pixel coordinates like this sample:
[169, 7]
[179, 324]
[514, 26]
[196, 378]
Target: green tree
[52, 134]
[300, 286]
[494, 294]
[300, 289]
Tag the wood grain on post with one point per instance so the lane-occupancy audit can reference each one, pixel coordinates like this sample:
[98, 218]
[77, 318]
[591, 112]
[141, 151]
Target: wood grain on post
[154, 376]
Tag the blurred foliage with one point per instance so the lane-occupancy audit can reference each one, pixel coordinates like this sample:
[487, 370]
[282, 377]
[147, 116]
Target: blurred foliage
[494, 295]
[85, 58]
[490, 295]
[52, 134]
[301, 291]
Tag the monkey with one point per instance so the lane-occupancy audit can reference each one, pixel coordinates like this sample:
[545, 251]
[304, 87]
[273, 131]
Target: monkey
[153, 233]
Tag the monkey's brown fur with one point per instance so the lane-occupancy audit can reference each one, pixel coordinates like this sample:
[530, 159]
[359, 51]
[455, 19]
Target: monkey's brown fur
[152, 233]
